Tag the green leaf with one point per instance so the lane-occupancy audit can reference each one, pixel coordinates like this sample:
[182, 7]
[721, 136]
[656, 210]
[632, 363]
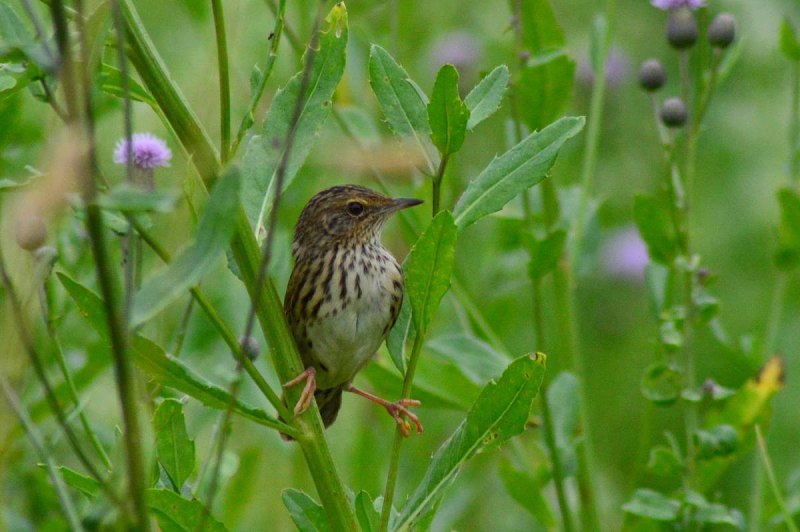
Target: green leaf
[401, 331]
[563, 395]
[656, 228]
[83, 483]
[111, 83]
[500, 412]
[264, 151]
[175, 449]
[545, 82]
[152, 360]
[400, 101]
[517, 170]
[187, 269]
[126, 197]
[176, 514]
[477, 360]
[653, 505]
[306, 513]
[447, 114]
[368, 517]
[718, 441]
[662, 383]
[545, 253]
[485, 98]
[428, 269]
[790, 46]
[173, 373]
[788, 254]
[663, 462]
[527, 490]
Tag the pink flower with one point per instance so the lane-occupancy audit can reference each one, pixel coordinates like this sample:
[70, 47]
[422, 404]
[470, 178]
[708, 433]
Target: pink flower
[624, 255]
[148, 151]
[667, 5]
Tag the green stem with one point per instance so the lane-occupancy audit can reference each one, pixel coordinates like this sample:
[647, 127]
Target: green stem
[46, 457]
[182, 329]
[269, 311]
[547, 417]
[62, 365]
[224, 80]
[794, 125]
[249, 118]
[224, 331]
[394, 457]
[773, 481]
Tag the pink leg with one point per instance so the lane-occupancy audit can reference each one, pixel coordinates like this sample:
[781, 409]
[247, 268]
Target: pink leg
[307, 395]
[397, 410]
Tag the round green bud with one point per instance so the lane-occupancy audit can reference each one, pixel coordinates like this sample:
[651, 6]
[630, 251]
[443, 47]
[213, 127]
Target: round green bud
[249, 347]
[681, 29]
[673, 112]
[722, 30]
[652, 75]
[30, 232]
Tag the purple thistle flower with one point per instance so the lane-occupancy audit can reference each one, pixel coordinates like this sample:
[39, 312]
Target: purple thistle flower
[148, 152]
[668, 5]
[624, 255]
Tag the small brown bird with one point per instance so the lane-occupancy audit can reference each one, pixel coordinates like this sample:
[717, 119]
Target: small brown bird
[343, 297]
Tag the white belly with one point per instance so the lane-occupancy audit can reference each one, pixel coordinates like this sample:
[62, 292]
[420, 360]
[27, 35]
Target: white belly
[344, 339]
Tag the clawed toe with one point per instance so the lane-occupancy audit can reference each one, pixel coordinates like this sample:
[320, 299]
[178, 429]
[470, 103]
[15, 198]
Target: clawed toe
[307, 395]
[398, 410]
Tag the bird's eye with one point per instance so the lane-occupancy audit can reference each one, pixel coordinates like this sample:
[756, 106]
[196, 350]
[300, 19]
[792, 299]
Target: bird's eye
[355, 208]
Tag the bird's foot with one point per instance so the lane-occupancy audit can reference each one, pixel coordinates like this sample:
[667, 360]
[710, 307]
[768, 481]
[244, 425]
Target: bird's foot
[398, 410]
[307, 395]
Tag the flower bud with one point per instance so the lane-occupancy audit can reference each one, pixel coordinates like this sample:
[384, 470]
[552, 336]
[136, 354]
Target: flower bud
[30, 232]
[673, 112]
[681, 29]
[652, 75]
[722, 30]
[249, 347]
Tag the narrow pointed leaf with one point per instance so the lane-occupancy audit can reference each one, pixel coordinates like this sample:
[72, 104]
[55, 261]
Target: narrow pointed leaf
[499, 413]
[656, 228]
[176, 514]
[187, 269]
[447, 114]
[400, 101]
[652, 505]
[153, 361]
[175, 449]
[428, 269]
[485, 98]
[521, 167]
[264, 151]
[396, 340]
[83, 483]
[307, 514]
[368, 517]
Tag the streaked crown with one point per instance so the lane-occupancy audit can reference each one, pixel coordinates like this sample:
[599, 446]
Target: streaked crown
[346, 215]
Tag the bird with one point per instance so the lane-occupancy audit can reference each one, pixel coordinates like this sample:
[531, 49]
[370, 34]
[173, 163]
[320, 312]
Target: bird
[343, 297]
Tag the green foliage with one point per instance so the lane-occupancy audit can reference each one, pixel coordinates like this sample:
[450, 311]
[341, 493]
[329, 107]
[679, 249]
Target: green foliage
[175, 449]
[176, 514]
[213, 236]
[447, 114]
[485, 98]
[653, 220]
[401, 101]
[788, 254]
[653, 505]
[306, 513]
[265, 150]
[429, 267]
[499, 413]
[790, 46]
[521, 167]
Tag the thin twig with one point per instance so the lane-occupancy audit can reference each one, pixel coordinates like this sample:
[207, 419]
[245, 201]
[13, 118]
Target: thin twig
[46, 457]
[773, 481]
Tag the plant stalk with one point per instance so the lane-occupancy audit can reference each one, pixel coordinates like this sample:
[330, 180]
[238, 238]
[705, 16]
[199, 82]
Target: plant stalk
[224, 80]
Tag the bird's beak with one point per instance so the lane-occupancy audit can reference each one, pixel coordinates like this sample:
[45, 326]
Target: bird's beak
[403, 203]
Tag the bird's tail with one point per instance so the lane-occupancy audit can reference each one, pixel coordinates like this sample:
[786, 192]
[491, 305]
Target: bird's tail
[329, 402]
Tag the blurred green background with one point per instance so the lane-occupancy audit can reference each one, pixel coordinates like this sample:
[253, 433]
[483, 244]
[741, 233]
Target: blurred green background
[742, 159]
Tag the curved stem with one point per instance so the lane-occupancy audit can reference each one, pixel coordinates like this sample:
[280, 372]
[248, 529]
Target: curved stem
[437, 184]
[36, 440]
[224, 80]
[394, 457]
[773, 482]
